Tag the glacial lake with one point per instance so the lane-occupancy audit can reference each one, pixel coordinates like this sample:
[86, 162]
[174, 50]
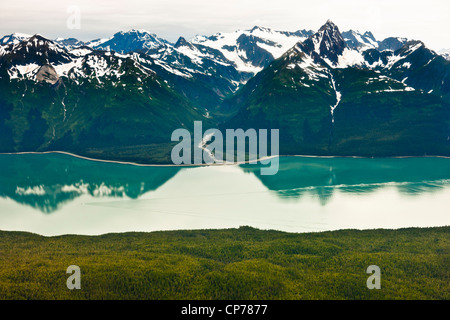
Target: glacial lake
[55, 194]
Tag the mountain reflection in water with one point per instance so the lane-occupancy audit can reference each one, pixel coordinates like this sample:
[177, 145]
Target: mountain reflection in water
[78, 196]
[48, 181]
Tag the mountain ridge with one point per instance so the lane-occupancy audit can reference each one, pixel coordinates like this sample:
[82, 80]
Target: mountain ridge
[323, 106]
[328, 94]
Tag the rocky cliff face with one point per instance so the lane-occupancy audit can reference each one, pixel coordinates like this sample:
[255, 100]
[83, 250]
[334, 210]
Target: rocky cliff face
[47, 74]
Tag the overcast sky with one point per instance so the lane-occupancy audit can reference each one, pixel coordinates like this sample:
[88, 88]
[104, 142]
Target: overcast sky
[423, 20]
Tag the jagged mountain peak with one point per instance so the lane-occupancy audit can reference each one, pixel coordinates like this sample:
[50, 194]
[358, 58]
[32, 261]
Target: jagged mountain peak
[134, 33]
[330, 31]
[415, 43]
[392, 43]
[38, 37]
[14, 38]
[369, 35]
[138, 30]
[329, 25]
[23, 57]
[258, 28]
[409, 47]
[38, 43]
[137, 33]
[360, 41]
[182, 42]
[131, 40]
[327, 43]
[249, 50]
[69, 43]
[131, 31]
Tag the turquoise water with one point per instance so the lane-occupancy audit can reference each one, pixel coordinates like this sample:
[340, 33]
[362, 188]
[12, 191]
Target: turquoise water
[53, 194]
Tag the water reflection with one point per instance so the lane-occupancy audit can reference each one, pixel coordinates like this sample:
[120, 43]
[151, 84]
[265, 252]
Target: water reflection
[307, 194]
[321, 177]
[47, 181]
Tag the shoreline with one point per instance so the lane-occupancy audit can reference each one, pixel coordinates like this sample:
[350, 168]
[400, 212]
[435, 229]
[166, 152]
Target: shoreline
[135, 163]
[205, 164]
[197, 230]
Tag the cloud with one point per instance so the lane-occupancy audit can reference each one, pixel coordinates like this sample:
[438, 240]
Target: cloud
[424, 20]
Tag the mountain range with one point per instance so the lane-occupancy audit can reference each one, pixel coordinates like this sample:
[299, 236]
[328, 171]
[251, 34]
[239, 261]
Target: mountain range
[329, 93]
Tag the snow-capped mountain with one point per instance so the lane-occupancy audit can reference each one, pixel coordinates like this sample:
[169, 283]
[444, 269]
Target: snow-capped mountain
[327, 50]
[224, 61]
[248, 51]
[24, 57]
[326, 91]
[251, 50]
[132, 40]
[391, 43]
[69, 43]
[356, 40]
[14, 38]
[366, 40]
[235, 56]
[215, 66]
[83, 98]
[329, 98]
[328, 45]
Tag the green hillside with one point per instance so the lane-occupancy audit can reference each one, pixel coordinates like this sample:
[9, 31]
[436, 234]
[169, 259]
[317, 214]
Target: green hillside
[242, 263]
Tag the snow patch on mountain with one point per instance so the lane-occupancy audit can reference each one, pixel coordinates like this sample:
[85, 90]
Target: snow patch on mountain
[362, 42]
[27, 71]
[80, 52]
[445, 53]
[14, 38]
[348, 58]
[276, 43]
[338, 97]
[63, 69]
